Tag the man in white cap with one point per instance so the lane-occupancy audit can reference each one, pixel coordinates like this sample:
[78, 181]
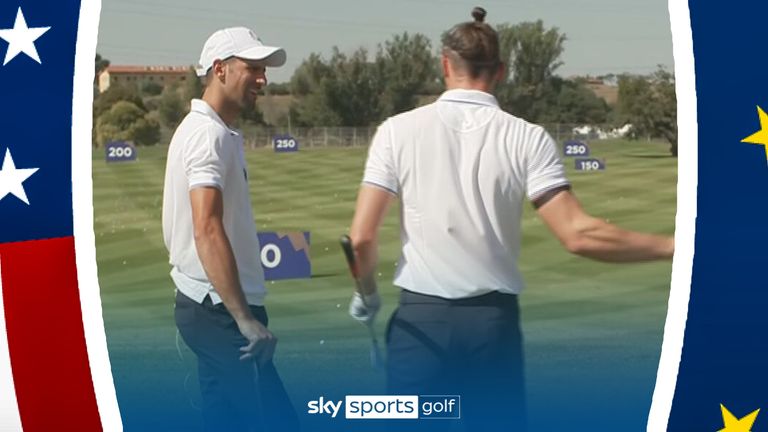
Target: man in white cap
[209, 230]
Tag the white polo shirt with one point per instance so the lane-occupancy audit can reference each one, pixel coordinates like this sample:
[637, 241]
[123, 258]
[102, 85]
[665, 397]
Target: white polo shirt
[462, 168]
[205, 152]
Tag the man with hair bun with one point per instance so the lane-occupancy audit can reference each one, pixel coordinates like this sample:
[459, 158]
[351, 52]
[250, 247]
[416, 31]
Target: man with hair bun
[461, 169]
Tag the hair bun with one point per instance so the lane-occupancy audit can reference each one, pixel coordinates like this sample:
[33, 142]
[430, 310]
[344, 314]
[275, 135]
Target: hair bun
[478, 14]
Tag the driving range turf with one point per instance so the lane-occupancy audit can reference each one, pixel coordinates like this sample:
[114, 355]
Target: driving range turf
[593, 331]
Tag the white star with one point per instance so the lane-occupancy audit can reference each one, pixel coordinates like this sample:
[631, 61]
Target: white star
[11, 179]
[21, 39]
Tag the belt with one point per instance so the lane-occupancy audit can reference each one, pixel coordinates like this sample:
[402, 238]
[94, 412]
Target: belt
[493, 298]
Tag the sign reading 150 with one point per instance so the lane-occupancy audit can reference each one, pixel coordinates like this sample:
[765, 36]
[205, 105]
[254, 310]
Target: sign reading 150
[590, 165]
[285, 143]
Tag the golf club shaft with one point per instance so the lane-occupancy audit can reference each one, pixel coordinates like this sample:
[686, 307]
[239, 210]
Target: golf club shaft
[349, 253]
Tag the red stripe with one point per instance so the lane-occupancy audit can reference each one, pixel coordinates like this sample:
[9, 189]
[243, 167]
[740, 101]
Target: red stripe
[45, 336]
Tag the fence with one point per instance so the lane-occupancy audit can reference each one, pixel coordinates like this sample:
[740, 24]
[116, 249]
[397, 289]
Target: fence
[312, 137]
[361, 136]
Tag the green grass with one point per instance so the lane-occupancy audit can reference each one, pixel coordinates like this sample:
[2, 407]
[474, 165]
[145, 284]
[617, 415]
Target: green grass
[593, 331]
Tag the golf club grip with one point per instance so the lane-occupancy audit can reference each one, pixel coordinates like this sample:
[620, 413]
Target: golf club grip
[349, 254]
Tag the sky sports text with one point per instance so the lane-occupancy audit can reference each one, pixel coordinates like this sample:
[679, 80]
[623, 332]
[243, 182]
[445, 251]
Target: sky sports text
[389, 407]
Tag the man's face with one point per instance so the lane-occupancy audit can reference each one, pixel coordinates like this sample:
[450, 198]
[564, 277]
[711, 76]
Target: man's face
[243, 81]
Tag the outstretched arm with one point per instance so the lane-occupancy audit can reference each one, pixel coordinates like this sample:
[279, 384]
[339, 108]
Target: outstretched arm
[594, 238]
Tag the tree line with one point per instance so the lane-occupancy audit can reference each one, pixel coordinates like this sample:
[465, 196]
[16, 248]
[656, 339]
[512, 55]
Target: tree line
[362, 89]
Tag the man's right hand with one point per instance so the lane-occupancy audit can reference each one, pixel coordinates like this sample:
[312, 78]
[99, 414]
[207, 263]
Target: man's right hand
[261, 342]
[365, 309]
[218, 260]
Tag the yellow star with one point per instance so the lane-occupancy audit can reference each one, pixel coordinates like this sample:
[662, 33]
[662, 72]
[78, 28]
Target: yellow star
[732, 424]
[761, 136]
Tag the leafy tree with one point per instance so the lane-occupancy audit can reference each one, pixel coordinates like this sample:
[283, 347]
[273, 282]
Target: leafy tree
[278, 88]
[192, 87]
[171, 108]
[252, 115]
[103, 102]
[345, 91]
[408, 67]
[114, 94]
[532, 55]
[435, 87]
[575, 103]
[650, 104]
[145, 131]
[351, 90]
[531, 51]
[313, 110]
[311, 107]
[354, 91]
[151, 88]
[126, 121]
[307, 77]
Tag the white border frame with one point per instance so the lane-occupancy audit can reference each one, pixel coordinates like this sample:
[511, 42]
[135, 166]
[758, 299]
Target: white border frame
[82, 211]
[685, 222]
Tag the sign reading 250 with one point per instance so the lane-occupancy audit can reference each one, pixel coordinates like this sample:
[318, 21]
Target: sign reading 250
[575, 149]
[284, 143]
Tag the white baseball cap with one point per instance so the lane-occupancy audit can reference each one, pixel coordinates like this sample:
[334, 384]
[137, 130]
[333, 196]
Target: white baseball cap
[238, 42]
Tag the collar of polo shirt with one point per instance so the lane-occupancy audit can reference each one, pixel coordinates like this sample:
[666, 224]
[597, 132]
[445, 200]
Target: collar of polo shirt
[202, 107]
[469, 96]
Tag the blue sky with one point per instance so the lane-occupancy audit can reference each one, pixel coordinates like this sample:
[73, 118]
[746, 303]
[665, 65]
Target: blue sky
[603, 35]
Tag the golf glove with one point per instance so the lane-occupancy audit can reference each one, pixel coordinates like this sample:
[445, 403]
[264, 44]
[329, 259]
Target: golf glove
[365, 310]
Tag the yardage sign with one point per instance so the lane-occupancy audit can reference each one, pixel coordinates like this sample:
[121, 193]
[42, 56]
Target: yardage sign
[575, 149]
[120, 151]
[285, 143]
[285, 255]
[590, 164]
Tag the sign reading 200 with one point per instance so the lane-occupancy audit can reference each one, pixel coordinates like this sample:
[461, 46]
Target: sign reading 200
[120, 151]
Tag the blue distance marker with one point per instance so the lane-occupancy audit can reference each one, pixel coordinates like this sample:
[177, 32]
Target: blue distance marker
[575, 149]
[120, 151]
[285, 144]
[589, 164]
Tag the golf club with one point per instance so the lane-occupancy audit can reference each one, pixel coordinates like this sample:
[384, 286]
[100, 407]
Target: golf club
[346, 245]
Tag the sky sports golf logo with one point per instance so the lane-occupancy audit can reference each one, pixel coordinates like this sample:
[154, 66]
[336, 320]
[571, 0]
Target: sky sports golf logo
[389, 407]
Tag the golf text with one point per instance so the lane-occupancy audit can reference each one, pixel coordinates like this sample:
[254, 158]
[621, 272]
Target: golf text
[389, 407]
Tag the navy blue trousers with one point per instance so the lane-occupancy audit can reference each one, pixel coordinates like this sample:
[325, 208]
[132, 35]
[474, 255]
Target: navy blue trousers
[237, 395]
[468, 347]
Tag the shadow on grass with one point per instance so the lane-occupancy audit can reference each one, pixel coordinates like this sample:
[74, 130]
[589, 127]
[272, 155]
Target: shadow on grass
[648, 156]
[325, 275]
